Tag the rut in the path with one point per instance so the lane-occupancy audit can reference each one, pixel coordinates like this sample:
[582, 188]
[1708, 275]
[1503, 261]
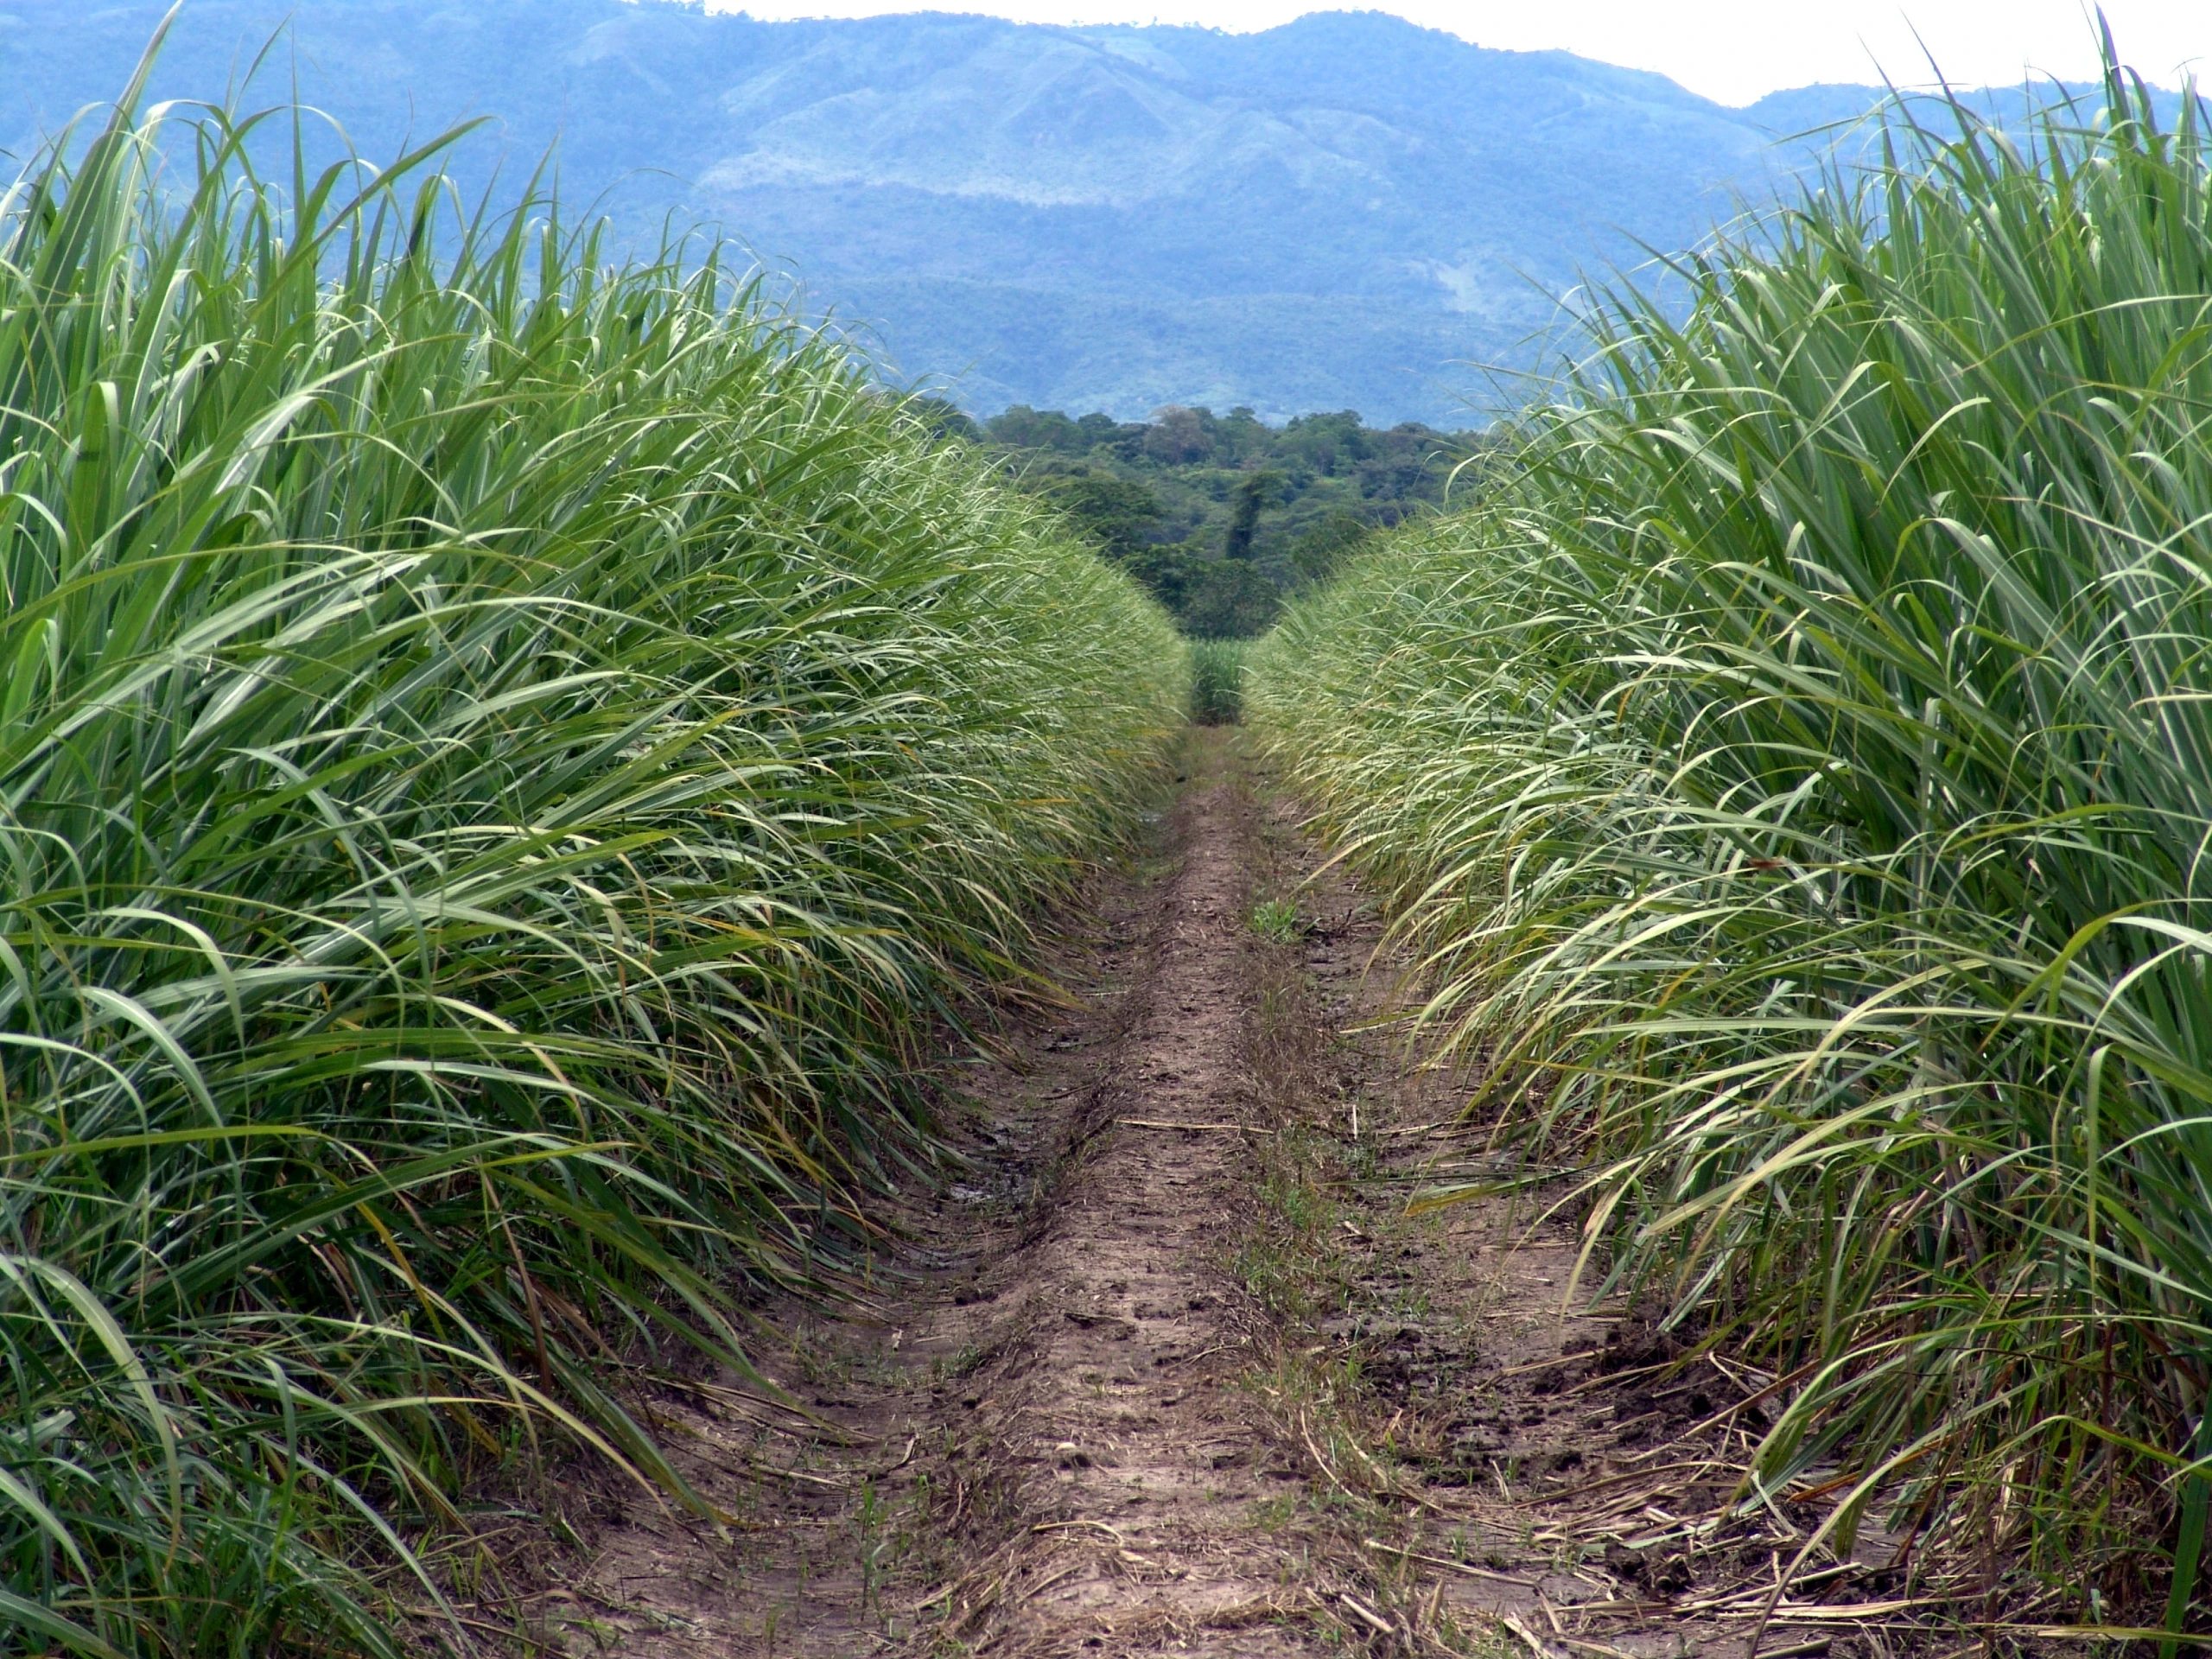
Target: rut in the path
[1145, 1531]
[1038, 1446]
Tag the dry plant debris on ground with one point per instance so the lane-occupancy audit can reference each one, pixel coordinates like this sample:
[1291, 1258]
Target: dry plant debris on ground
[1173, 1367]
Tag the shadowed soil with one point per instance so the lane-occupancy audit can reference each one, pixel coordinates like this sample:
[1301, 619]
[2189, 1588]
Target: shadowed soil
[1172, 1367]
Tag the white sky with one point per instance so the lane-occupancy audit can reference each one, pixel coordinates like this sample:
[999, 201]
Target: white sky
[1731, 50]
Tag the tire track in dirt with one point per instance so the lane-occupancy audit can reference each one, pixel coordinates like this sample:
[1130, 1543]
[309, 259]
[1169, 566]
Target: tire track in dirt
[1515, 1470]
[1031, 1440]
[1124, 1405]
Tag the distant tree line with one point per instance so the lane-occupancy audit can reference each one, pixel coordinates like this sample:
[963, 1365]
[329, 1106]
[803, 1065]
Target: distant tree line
[1222, 516]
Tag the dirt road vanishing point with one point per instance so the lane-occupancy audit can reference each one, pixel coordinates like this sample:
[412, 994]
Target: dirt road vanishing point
[1171, 1368]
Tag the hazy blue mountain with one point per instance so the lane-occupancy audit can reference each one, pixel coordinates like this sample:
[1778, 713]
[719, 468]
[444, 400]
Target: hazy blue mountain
[1345, 212]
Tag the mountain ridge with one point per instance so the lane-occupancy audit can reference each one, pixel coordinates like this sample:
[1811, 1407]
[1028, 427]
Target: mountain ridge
[1348, 211]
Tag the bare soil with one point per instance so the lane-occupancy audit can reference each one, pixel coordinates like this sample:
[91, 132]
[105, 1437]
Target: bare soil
[1172, 1366]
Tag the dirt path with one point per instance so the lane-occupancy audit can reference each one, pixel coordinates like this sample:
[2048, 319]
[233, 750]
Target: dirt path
[1171, 1368]
[1123, 1396]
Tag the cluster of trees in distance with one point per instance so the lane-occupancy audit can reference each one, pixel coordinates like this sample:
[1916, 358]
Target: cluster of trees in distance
[1223, 516]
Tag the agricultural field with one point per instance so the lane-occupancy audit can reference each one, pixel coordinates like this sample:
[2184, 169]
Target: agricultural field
[650, 1006]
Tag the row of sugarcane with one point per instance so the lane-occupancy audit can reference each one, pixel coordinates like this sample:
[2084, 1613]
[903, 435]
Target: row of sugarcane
[508, 756]
[1792, 772]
